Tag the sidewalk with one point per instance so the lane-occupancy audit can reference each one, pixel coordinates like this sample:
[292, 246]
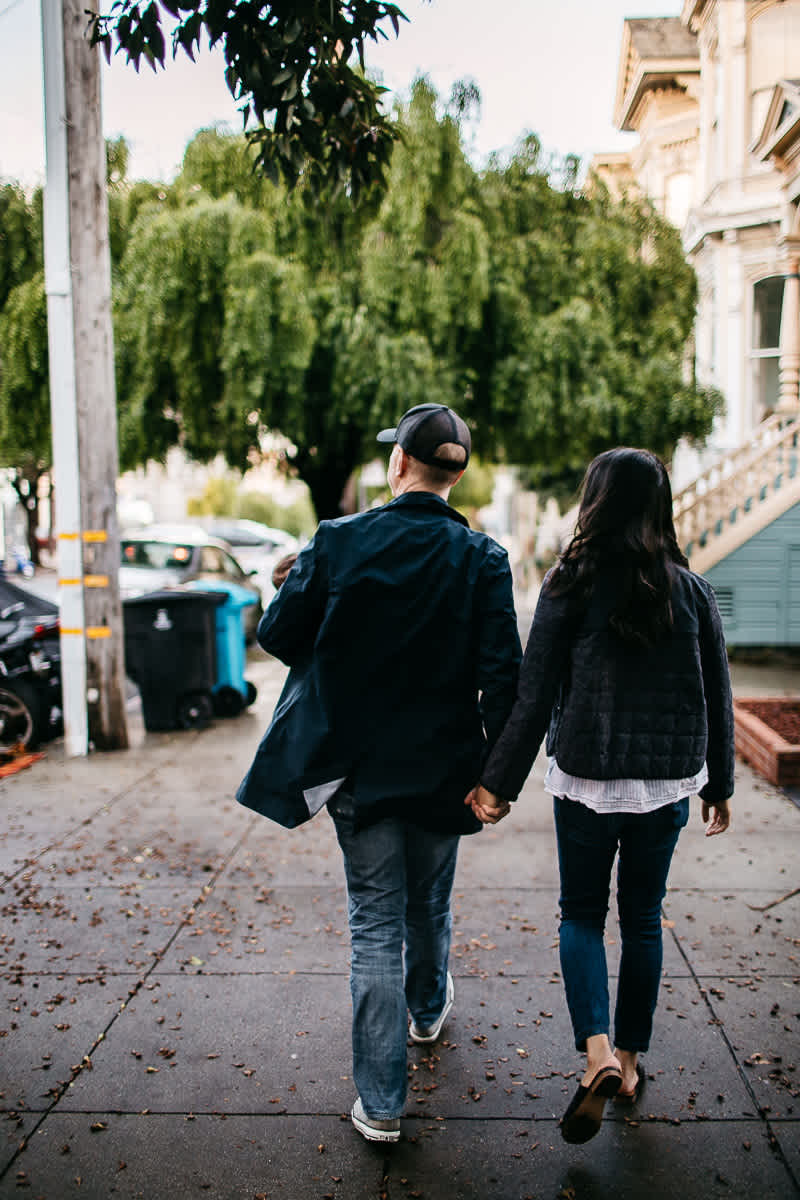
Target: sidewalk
[175, 1004]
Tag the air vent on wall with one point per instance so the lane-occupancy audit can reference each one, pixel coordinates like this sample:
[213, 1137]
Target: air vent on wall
[725, 601]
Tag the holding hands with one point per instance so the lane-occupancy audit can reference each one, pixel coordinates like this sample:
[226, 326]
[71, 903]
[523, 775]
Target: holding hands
[487, 808]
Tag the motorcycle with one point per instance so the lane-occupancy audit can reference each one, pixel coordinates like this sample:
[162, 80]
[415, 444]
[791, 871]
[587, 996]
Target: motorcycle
[30, 678]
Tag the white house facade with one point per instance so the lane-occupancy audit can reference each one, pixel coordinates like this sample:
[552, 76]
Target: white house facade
[714, 95]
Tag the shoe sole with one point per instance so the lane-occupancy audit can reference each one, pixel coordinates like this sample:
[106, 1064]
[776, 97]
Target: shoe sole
[582, 1124]
[375, 1135]
[431, 1037]
[437, 1029]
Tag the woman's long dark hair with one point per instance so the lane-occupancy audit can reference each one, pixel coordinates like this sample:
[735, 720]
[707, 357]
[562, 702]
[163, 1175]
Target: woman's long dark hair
[625, 522]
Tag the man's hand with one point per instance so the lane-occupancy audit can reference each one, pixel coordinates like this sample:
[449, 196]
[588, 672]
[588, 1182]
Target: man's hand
[487, 808]
[720, 820]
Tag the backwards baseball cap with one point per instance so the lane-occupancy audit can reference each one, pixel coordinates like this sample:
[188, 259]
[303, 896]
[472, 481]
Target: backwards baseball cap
[423, 429]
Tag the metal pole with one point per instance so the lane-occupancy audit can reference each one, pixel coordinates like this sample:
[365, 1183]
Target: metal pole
[61, 342]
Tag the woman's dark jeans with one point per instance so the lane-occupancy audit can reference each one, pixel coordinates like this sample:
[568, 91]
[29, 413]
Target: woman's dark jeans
[587, 844]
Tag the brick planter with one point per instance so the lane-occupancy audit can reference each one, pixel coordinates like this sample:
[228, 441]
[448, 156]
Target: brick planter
[761, 745]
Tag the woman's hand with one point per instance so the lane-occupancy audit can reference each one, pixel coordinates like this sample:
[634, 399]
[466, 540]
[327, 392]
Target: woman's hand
[487, 808]
[720, 815]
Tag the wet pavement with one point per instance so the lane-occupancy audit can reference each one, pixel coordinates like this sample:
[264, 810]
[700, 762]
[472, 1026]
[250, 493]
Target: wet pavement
[174, 1002]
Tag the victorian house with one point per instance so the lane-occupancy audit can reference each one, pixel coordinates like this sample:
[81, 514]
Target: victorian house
[714, 96]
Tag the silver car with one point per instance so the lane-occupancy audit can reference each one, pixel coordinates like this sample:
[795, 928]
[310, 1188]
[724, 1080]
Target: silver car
[164, 556]
[257, 547]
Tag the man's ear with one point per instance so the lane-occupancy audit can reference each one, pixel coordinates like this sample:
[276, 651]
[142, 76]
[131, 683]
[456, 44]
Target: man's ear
[401, 460]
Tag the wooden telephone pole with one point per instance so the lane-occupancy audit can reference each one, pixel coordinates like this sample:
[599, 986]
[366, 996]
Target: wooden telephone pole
[82, 391]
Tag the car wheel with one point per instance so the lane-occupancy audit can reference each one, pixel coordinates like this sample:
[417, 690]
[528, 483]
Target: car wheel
[20, 717]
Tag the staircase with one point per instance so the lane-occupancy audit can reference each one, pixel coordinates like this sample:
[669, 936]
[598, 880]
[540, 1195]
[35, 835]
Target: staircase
[741, 493]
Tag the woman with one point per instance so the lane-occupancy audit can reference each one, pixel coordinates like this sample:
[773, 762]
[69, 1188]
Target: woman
[626, 671]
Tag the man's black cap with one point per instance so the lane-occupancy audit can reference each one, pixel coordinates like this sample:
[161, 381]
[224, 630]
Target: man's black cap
[423, 429]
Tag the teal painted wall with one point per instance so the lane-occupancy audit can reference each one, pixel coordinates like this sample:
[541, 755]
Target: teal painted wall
[758, 586]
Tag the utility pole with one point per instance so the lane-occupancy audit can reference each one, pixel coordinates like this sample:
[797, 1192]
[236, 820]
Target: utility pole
[82, 391]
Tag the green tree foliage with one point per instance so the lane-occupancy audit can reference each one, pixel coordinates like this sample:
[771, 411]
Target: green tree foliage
[292, 63]
[20, 238]
[24, 394]
[210, 324]
[554, 319]
[474, 489]
[592, 305]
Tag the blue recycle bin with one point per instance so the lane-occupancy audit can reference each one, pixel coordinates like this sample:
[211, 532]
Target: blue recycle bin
[231, 691]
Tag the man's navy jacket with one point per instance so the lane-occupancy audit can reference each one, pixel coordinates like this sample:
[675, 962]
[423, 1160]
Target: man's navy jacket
[400, 630]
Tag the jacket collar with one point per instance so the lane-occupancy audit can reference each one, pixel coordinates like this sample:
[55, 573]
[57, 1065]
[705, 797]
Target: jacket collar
[429, 501]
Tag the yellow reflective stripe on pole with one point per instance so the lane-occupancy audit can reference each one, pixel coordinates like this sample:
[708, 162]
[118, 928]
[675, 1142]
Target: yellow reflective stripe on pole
[92, 631]
[88, 535]
[87, 581]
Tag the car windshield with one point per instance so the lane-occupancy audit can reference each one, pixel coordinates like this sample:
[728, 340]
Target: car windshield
[163, 555]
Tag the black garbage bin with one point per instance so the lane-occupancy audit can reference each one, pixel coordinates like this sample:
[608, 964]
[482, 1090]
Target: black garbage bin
[170, 653]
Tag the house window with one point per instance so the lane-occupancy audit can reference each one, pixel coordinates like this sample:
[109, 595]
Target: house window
[765, 352]
[774, 55]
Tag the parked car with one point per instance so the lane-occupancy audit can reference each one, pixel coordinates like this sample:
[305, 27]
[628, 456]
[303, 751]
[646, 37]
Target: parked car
[163, 556]
[30, 670]
[257, 547]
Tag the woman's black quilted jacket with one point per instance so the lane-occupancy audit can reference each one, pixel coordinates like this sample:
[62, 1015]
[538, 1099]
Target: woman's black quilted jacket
[613, 710]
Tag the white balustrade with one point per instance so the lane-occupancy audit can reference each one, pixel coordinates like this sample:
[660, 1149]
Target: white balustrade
[738, 482]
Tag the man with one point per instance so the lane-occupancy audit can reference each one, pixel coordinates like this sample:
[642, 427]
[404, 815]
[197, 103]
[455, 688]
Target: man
[399, 625]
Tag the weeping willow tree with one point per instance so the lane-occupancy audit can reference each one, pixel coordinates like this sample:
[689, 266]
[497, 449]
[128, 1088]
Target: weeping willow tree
[25, 443]
[211, 327]
[592, 304]
[553, 318]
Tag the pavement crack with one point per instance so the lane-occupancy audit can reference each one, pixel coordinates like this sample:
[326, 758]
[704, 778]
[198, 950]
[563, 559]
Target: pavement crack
[85, 1063]
[764, 907]
[705, 995]
[106, 806]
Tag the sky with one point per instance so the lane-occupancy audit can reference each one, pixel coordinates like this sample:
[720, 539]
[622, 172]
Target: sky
[549, 66]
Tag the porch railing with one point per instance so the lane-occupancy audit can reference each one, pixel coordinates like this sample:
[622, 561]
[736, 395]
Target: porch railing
[738, 483]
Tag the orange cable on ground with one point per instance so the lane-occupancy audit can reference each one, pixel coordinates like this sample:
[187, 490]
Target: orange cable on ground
[17, 762]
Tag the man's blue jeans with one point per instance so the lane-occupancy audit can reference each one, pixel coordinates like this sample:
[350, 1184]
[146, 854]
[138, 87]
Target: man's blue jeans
[587, 844]
[399, 881]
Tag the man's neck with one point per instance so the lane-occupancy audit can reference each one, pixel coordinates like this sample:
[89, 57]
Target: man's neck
[404, 489]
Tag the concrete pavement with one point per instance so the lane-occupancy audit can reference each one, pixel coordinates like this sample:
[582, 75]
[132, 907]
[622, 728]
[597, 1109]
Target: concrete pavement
[174, 1019]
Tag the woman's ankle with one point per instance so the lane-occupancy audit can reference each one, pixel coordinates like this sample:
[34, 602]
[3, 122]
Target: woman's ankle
[628, 1060]
[598, 1056]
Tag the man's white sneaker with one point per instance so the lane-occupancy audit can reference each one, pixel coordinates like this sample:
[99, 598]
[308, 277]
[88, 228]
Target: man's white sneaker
[429, 1033]
[373, 1129]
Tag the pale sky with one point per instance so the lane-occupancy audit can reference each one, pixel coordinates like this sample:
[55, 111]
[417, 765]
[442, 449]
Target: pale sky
[544, 65]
